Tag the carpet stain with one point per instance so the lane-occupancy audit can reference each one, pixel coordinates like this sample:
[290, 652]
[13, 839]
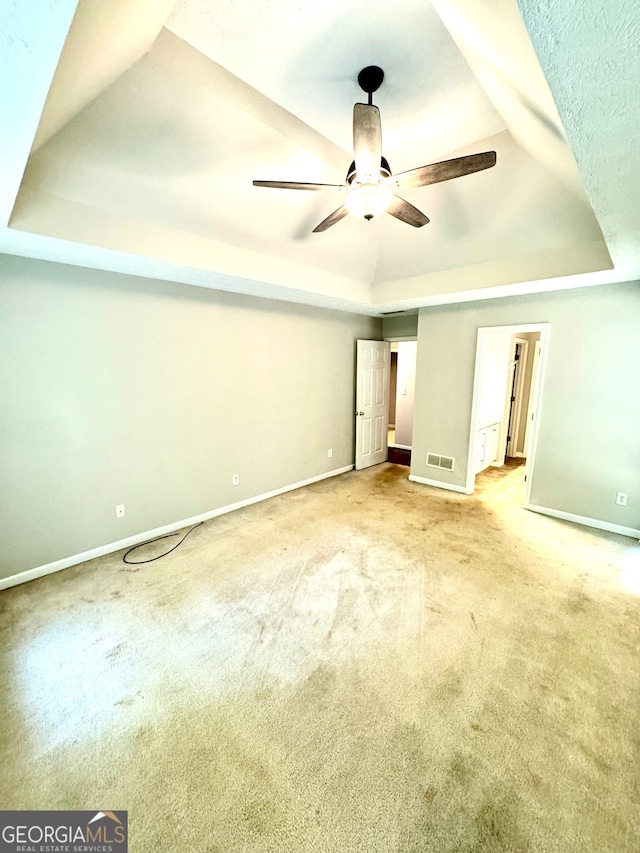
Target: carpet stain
[430, 794]
[578, 602]
[499, 826]
[260, 815]
[459, 770]
[116, 651]
[449, 687]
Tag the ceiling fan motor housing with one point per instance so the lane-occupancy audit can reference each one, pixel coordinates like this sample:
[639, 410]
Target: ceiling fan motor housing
[370, 79]
[385, 170]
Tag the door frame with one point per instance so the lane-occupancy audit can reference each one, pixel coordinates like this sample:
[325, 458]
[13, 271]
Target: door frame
[514, 329]
[531, 410]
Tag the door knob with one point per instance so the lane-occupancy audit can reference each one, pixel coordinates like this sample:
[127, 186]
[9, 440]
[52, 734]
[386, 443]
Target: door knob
[360, 414]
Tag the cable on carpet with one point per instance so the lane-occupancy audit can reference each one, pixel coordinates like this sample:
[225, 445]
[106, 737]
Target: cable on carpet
[157, 539]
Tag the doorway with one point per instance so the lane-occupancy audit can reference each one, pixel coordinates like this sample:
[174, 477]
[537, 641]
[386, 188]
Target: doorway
[505, 409]
[375, 440]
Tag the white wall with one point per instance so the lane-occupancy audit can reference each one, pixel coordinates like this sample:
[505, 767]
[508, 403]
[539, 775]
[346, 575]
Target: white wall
[152, 394]
[589, 435]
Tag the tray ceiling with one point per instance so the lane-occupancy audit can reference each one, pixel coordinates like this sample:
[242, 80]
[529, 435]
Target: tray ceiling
[139, 156]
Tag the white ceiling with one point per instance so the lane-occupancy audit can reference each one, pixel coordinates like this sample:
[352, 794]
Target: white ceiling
[137, 128]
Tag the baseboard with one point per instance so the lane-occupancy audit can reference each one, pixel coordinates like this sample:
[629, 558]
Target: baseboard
[586, 521]
[438, 484]
[67, 562]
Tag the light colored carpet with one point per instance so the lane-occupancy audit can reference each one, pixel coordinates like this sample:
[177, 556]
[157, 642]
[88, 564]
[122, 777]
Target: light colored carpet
[365, 664]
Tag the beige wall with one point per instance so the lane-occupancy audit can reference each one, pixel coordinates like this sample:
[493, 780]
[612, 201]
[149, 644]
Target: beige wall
[125, 390]
[589, 440]
[402, 326]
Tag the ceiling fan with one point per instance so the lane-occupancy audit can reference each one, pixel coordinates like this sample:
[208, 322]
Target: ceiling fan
[370, 186]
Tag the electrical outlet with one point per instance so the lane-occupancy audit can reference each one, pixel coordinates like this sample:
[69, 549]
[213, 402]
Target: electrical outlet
[120, 511]
[621, 498]
[330, 453]
[235, 480]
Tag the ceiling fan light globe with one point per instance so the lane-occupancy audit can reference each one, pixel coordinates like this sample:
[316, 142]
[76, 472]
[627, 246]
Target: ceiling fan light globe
[366, 201]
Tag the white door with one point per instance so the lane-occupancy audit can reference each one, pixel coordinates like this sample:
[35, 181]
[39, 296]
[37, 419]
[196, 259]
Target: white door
[372, 402]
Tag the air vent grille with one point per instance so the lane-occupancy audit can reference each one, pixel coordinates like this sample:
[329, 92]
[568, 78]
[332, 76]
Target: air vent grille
[437, 461]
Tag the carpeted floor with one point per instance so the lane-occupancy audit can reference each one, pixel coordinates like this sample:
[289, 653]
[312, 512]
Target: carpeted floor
[362, 665]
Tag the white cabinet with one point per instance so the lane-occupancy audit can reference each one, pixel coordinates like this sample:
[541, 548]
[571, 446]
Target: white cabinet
[487, 446]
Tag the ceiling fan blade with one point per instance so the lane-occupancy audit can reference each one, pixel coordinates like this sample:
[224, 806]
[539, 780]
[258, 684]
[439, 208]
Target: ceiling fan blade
[336, 216]
[367, 142]
[406, 212]
[295, 185]
[444, 171]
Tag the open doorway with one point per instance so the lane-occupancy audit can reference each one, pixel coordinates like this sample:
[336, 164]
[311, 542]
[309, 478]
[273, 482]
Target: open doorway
[505, 410]
[402, 381]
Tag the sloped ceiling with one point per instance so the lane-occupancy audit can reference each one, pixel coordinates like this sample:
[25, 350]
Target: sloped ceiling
[158, 116]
